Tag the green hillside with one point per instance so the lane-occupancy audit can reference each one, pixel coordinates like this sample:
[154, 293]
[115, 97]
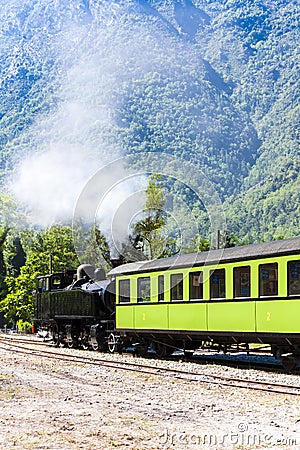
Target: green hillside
[213, 82]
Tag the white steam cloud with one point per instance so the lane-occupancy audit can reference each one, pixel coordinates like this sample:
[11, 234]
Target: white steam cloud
[96, 64]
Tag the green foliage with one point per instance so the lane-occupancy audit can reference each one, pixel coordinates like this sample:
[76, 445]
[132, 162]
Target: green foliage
[245, 131]
[102, 245]
[10, 215]
[10, 256]
[91, 246]
[14, 255]
[231, 240]
[155, 200]
[147, 232]
[57, 241]
[253, 45]
[209, 80]
[197, 244]
[201, 244]
[3, 285]
[150, 235]
[269, 210]
[24, 326]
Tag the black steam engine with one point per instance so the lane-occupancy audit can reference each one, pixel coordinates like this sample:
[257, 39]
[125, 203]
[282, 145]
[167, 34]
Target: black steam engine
[76, 308]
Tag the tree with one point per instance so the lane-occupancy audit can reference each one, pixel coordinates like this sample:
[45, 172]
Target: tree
[91, 246]
[56, 241]
[197, 244]
[15, 255]
[102, 245]
[3, 286]
[148, 232]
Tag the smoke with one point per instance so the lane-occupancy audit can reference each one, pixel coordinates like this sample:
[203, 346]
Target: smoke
[95, 60]
[74, 138]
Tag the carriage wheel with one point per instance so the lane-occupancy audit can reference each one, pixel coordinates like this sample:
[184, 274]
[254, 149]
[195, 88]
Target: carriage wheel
[112, 343]
[160, 349]
[141, 350]
[188, 353]
[289, 364]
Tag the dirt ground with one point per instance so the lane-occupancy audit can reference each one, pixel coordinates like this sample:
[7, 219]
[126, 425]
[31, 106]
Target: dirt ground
[46, 404]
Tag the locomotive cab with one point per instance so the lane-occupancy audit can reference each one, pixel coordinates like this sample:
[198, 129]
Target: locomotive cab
[55, 281]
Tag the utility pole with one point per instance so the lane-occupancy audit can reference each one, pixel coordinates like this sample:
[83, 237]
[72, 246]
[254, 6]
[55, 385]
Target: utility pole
[50, 263]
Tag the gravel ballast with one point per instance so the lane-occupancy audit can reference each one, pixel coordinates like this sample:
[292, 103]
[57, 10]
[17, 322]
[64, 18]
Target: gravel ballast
[51, 404]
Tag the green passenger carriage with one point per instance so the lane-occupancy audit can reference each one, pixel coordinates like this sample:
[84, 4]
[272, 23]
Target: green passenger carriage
[241, 295]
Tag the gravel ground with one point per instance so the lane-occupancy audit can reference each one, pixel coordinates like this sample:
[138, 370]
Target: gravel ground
[46, 404]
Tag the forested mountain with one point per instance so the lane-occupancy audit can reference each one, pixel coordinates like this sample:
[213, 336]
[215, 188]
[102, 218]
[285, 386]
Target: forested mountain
[214, 82]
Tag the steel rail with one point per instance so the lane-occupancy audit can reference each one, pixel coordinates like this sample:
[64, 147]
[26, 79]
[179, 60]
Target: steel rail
[160, 371]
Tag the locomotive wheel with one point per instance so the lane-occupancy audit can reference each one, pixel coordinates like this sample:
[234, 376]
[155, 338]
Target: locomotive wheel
[95, 346]
[72, 344]
[55, 335]
[85, 345]
[112, 343]
[84, 340]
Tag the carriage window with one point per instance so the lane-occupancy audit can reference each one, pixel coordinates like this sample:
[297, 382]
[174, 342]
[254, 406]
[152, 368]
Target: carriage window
[144, 289]
[217, 283]
[196, 285]
[241, 279]
[177, 286]
[294, 277]
[268, 279]
[161, 288]
[124, 291]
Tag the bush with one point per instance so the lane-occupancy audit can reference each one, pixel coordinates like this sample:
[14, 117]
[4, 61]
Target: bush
[24, 327]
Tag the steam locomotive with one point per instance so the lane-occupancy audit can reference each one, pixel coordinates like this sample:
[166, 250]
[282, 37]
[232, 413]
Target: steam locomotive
[240, 296]
[76, 308]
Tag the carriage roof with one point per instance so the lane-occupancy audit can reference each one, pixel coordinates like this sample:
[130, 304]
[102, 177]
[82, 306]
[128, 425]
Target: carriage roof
[240, 253]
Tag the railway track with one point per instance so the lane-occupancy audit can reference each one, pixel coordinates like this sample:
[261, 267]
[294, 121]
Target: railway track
[203, 358]
[4, 337]
[25, 346]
